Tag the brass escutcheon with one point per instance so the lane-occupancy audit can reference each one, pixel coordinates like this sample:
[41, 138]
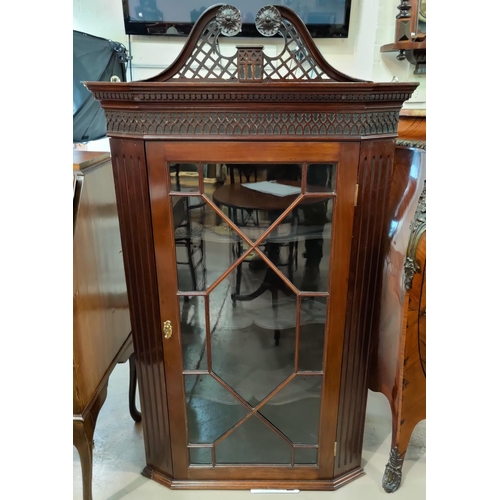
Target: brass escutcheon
[167, 329]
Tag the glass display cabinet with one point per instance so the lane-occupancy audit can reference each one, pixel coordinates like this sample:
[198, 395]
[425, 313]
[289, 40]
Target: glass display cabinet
[252, 295]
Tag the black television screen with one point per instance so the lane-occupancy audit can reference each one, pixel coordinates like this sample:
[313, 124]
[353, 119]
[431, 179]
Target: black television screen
[323, 18]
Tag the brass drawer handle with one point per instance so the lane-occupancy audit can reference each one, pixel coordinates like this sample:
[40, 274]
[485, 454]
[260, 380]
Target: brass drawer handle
[167, 329]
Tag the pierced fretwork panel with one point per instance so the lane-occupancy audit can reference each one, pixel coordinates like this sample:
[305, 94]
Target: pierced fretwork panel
[206, 61]
[296, 61]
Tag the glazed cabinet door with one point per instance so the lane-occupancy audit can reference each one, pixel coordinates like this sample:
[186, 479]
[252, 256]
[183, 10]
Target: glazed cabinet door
[252, 274]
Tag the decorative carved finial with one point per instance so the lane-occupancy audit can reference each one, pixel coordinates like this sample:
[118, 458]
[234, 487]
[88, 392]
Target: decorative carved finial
[404, 9]
[229, 20]
[268, 20]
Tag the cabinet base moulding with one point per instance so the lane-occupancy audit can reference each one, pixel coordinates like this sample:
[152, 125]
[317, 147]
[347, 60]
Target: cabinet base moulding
[192, 484]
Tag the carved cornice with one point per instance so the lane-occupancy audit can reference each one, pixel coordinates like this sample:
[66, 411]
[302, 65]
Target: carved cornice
[234, 95]
[238, 124]
[295, 94]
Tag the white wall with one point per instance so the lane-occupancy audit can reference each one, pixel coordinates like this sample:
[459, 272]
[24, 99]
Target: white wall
[372, 25]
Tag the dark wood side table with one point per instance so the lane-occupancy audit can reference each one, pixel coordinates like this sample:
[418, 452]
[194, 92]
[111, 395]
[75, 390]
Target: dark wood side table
[101, 322]
[239, 197]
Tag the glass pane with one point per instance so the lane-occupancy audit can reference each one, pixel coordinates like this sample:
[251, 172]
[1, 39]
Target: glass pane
[200, 456]
[306, 456]
[252, 312]
[295, 409]
[253, 443]
[193, 333]
[211, 410]
[204, 244]
[240, 173]
[243, 336]
[321, 177]
[281, 246]
[243, 199]
[312, 333]
[313, 236]
[183, 176]
[299, 245]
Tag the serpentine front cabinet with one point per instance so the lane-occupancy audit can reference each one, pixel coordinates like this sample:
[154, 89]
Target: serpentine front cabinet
[252, 293]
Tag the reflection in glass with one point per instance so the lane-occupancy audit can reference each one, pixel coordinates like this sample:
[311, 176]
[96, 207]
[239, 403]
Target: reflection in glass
[253, 443]
[201, 456]
[240, 173]
[306, 456]
[315, 227]
[314, 233]
[192, 314]
[321, 177]
[204, 247]
[312, 335]
[211, 410]
[189, 218]
[252, 312]
[295, 409]
[297, 245]
[183, 176]
[281, 245]
[246, 204]
[306, 231]
[243, 347]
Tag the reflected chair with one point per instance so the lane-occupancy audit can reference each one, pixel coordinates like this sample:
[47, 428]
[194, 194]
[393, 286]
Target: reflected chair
[189, 223]
[254, 223]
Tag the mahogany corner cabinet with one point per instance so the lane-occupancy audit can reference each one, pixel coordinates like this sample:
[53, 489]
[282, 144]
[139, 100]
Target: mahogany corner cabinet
[252, 192]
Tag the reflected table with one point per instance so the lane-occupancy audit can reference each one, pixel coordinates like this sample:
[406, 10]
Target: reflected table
[240, 199]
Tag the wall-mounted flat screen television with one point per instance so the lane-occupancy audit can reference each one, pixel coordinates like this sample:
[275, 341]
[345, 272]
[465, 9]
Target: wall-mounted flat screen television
[323, 18]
